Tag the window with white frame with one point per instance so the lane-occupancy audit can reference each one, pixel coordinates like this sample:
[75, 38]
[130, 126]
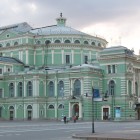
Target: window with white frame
[86, 59]
[111, 88]
[1, 93]
[111, 69]
[67, 59]
[29, 89]
[11, 90]
[9, 69]
[0, 70]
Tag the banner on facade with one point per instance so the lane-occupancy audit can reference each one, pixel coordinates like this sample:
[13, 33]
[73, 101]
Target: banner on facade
[117, 112]
[96, 95]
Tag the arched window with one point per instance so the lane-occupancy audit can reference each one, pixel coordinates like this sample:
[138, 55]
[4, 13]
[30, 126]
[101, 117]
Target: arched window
[77, 88]
[11, 90]
[77, 42]
[61, 106]
[8, 44]
[112, 88]
[16, 43]
[129, 87]
[29, 107]
[136, 88]
[51, 89]
[67, 41]
[57, 41]
[29, 89]
[61, 89]
[99, 44]
[20, 89]
[11, 108]
[38, 42]
[85, 42]
[93, 43]
[51, 107]
[47, 42]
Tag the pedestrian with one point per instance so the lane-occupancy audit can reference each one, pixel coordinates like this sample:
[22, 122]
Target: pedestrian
[65, 119]
[74, 119]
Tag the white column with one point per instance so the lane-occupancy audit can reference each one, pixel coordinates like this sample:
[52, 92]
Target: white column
[80, 110]
[45, 110]
[56, 85]
[71, 87]
[43, 57]
[24, 87]
[26, 40]
[72, 57]
[126, 87]
[81, 56]
[27, 61]
[82, 88]
[35, 86]
[24, 111]
[62, 52]
[52, 56]
[44, 88]
[21, 55]
[11, 54]
[134, 80]
[35, 111]
[15, 111]
[15, 86]
[34, 57]
[55, 110]
[70, 110]
[90, 55]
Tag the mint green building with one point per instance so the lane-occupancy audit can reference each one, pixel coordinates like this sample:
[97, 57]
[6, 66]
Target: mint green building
[52, 71]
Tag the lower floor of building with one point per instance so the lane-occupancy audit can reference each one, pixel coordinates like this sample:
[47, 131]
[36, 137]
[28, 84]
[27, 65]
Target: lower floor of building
[56, 109]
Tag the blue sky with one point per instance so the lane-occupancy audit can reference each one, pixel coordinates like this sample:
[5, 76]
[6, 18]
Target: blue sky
[118, 21]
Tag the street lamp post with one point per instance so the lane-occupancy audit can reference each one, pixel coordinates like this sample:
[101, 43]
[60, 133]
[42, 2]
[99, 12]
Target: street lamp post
[93, 130]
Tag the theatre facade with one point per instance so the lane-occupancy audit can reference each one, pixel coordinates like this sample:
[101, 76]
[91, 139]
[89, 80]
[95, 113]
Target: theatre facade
[52, 71]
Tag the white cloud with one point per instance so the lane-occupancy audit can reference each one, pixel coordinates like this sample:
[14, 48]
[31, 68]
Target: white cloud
[117, 21]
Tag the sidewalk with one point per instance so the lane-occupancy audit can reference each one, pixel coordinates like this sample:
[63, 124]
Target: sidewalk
[126, 135]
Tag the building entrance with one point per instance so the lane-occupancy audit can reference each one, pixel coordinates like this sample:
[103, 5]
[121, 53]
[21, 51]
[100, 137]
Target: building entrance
[76, 110]
[29, 114]
[138, 111]
[11, 115]
[105, 113]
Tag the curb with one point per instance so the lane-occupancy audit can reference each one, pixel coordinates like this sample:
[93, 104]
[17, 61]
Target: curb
[100, 137]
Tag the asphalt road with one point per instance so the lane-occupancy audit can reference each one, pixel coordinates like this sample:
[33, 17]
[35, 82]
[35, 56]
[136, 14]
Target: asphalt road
[44, 130]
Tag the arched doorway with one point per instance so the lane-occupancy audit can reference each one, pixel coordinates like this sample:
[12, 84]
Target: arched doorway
[76, 110]
[29, 112]
[11, 112]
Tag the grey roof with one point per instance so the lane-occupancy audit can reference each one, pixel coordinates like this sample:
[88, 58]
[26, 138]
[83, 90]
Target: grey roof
[20, 28]
[56, 29]
[10, 60]
[114, 48]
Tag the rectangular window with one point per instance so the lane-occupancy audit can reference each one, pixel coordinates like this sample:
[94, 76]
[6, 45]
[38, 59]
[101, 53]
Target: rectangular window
[0, 92]
[113, 69]
[109, 69]
[67, 59]
[0, 71]
[86, 59]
